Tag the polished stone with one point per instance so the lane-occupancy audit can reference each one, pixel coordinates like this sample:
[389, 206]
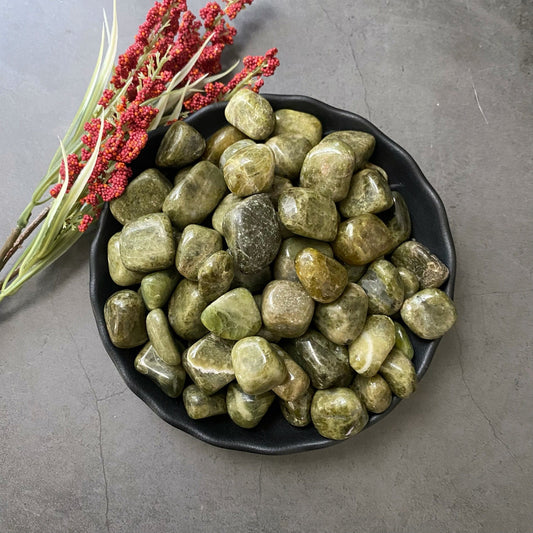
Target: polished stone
[181, 145]
[289, 150]
[250, 113]
[226, 204]
[298, 412]
[399, 223]
[374, 392]
[157, 287]
[124, 314]
[185, 309]
[254, 282]
[399, 373]
[403, 342]
[199, 405]
[161, 337]
[232, 149]
[361, 143]
[292, 121]
[247, 410]
[118, 272]
[409, 281]
[297, 381]
[215, 275]
[219, 141]
[279, 186]
[264, 331]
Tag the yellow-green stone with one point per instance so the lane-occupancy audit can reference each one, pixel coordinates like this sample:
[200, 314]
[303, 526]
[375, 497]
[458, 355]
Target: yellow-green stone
[403, 342]
[226, 204]
[124, 315]
[199, 405]
[399, 223]
[298, 412]
[374, 392]
[220, 140]
[292, 121]
[250, 113]
[232, 149]
[215, 275]
[185, 310]
[297, 381]
[181, 145]
[409, 281]
[399, 373]
[290, 150]
[157, 287]
[161, 337]
[361, 143]
[118, 272]
[247, 410]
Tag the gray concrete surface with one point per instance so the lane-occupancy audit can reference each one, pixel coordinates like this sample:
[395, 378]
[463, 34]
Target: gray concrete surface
[451, 82]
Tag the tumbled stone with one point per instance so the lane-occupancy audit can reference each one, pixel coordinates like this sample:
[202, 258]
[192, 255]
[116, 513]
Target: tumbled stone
[428, 268]
[399, 223]
[232, 149]
[199, 405]
[219, 141]
[308, 213]
[370, 349]
[429, 313]
[323, 278]
[233, 315]
[196, 195]
[403, 342]
[147, 244]
[161, 337]
[157, 287]
[361, 143]
[287, 309]
[197, 243]
[355, 272]
[185, 309]
[247, 410]
[253, 282]
[181, 145]
[409, 281]
[215, 275]
[181, 173]
[328, 169]
[227, 203]
[252, 232]
[289, 150]
[208, 363]
[374, 392]
[169, 378]
[292, 121]
[118, 272]
[297, 381]
[250, 113]
[361, 239]
[399, 373]
[279, 186]
[342, 321]
[338, 413]
[264, 331]
[124, 315]
[298, 412]
[371, 166]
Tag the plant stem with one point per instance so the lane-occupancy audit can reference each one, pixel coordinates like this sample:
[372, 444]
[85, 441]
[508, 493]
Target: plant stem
[9, 244]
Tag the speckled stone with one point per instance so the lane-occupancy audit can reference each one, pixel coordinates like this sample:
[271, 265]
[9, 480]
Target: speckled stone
[372, 166]
[147, 244]
[124, 315]
[118, 272]
[292, 121]
[399, 373]
[298, 412]
[196, 195]
[343, 320]
[181, 145]
[338, 413]
[355, 272]
[247, 410]
[370, 349]
[399, 223]
[215, 275]
[253, 282]
[226, 204]
[250, 113]
[197, 243]
[161, 337]
[279, 186]
[157, 287]
[185, 309]
[409, 281]
[403, 342]
[429, 313]
[199, 405]
[287, 309]
[181, 173]
[220, 140]
[361, 143]
[232, 149]
[264, 331]
[308, 213]
[289, 150]
[374, 392]
[297, 381]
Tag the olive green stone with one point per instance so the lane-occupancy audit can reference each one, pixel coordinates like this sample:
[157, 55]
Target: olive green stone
[264, 331]
[297, 381]
[219, 141]
[338, 413]
[399, 373]
[370, 165]
[287, 309]
[250, 170]
[199, 405]
[253, 282]
[247, 410]
[374, 392]
[308, 213]
[342, 321]
[289, 151]
[157, 287]
[208, 363]
[144, 194]
[169, 378]
[181, 145]
[124, 315]
[361, 239]
[384, 288]
[369, 192]
[233, 315]
[196, 195]
[227, 204]
[409, 280]
[197, 243]
[328, 169]
[250, 113]
[185, 310]
[182, 173]
[161, 337]
[147, 244]
[323, 278]
[370, 349]
[361, 143]
[118, 272]
[232, 149]
[429, 313]
[291, 121]
[403, 342]
[298, 412]
[215, 275]
[279, 186]
[429, 269]
[325, 362]
[400, 222]
[355, 272]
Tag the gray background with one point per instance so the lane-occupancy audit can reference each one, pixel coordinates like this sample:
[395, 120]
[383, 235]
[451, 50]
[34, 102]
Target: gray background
[451, 82]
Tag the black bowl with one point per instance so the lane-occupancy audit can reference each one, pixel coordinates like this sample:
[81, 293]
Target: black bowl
[274, 435]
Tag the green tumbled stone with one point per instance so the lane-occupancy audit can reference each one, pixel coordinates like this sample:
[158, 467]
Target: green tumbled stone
[197, 243]
[226, 204]
[250, 113]
[181, 145]
[185, 309]
[233, 315]
[409, 281]
[374, 392]
[400, 222]
[298, 412]
[247, 410]
[403, 342]
[182, 173]
[355, 272]
[292, 121]
[297, 381]
[196, 195]
[289, 151]
[429, 313]
[157, 287]
[361, 143]
[147, 244]
[370, 349]
[253, 282]
[308, 213]
[215, 275]
[124, 315]
[161, 337]
[338, 413]
[371, 166]
[144, 194]
[343, 320]
[232, 149]
[219, 141]
[399, 373]
[199, 405]
[118, 272]
[264, 331]
[279, 186]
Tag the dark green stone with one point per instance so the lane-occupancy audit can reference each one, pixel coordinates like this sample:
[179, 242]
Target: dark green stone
[374, 392]
[215, 275]
[185, 310]
[181, 145]
[199, 405]
[161, 337]
[247, 410]
[361, 143]
[219, 141]
[297, 381]
[399, 373]
[250, 113]
[279, 186]
[355, 272]
[118, 272]
[226, 204]
[197, 243]
[124, 315]
[400, 222]
[298, 412]
[289, 151]
[409, 280]
[253, 282]
[157, 287]
[292, 121]
[403, 342]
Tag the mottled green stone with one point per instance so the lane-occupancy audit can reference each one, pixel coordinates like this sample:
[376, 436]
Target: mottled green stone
[232, 149]
[181, 145]
[226, 204]
[197, 243]
[253, 282]
[338, 413]
[399, 373]
[182, 173]
[292, 121]
[147, 244]
[157, 287]
[298, 412]
[118, 272]
[429, 313]
[161, 337]
[124, 315]
[264, 331]
[279, 186]
[400, 222]
[342, 321]
[308, 213]
[215, 275]
[185, 309]
[250, 113]
[144, 194]
[374, 392]
[196, 195]
[370, 165]
[219, 141]
[361, 143]
[403, 342]
[409, 280]
[247, 410]
[355, 272]
[233, 315]
[297, 381]
[289, 151]
[370, 349]
[199, 405]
